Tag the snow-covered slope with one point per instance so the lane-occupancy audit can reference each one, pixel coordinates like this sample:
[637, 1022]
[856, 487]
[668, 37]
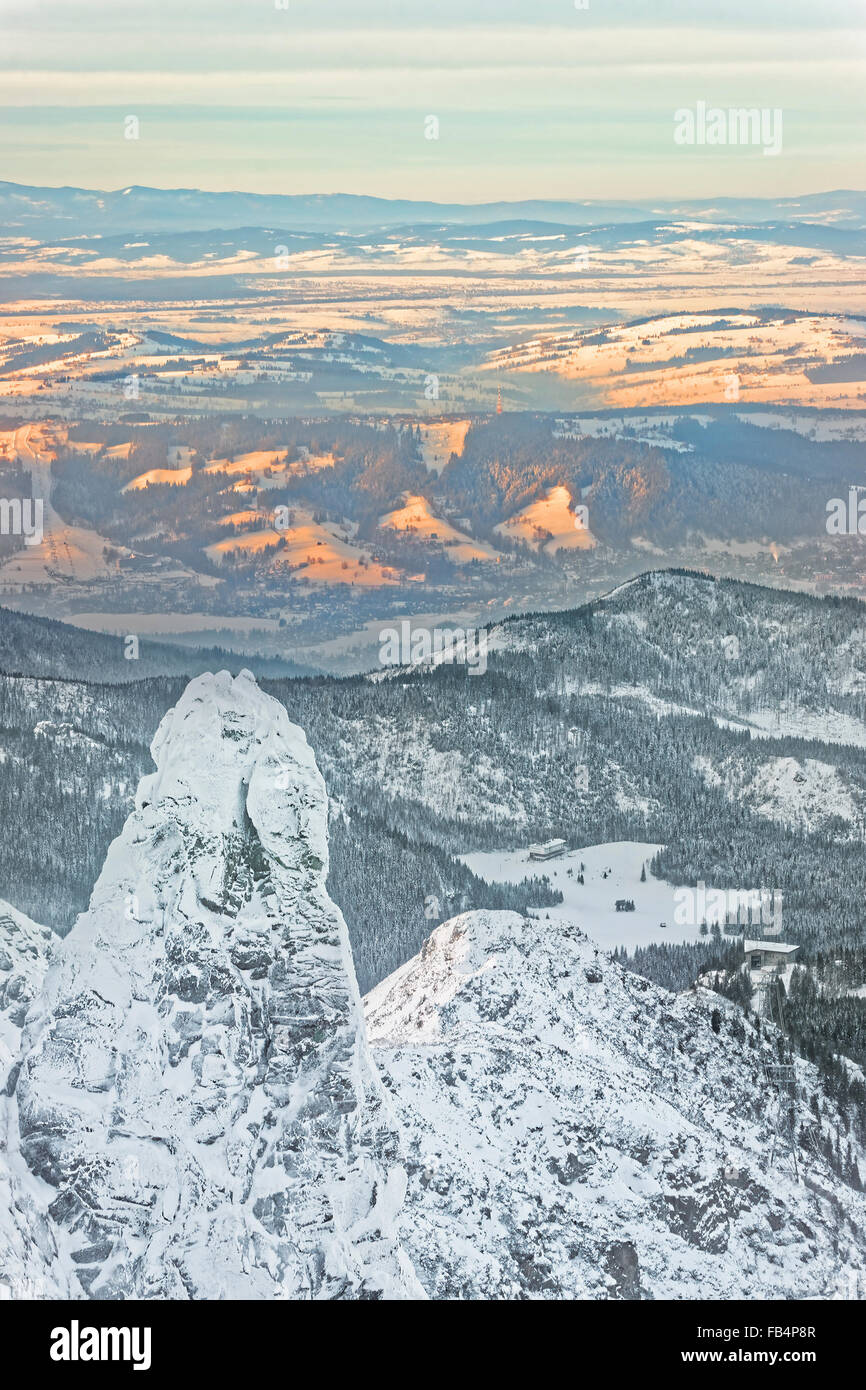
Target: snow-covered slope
[25, 947]
[795, 792]
[576, 1132]
[195, 1110]
[28, 1252]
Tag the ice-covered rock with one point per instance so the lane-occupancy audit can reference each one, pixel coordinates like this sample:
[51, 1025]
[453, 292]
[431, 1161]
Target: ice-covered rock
[575, 1132]
[195, 1102]
[29, 1263]
[25, 947]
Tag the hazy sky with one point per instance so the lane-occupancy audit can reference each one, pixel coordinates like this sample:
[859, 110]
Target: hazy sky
[534, 98]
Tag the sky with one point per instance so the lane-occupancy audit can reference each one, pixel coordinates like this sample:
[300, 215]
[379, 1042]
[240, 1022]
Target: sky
[531, 98]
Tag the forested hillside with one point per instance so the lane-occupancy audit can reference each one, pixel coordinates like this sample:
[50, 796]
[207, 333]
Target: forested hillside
[48, 649]
[724, 722]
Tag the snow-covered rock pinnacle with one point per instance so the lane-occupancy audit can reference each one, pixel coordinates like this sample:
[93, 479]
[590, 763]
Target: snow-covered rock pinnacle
[575, 1132]
[195, 1101]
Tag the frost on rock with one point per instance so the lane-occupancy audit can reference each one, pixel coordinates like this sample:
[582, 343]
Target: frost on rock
[195, 1100]
[25, 947]
[575, 1132]
[28, 1252]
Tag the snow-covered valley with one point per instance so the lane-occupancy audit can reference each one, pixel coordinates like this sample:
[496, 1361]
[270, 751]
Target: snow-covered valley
[610, 872]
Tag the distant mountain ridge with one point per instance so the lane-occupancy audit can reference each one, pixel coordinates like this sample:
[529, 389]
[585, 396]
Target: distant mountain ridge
[48, 648]
[25, 208]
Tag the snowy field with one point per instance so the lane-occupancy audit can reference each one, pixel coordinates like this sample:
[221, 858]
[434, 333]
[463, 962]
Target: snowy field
[592, 904]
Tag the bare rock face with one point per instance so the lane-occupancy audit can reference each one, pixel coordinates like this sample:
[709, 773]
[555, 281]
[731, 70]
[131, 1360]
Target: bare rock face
[195, 1100]
[574, 1132]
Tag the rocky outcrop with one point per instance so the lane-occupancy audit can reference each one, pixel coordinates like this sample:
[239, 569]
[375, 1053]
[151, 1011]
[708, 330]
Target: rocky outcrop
[195, 1101]
[575, 1132]
[29, 1258]
[25, 948]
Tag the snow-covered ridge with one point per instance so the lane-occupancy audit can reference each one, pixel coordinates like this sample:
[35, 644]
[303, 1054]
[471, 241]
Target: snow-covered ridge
[196, 1114]
[575, 1132]
[683, 626]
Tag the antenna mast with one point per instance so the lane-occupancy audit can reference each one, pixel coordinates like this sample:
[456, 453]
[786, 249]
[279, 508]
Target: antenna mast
[781, 1080]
